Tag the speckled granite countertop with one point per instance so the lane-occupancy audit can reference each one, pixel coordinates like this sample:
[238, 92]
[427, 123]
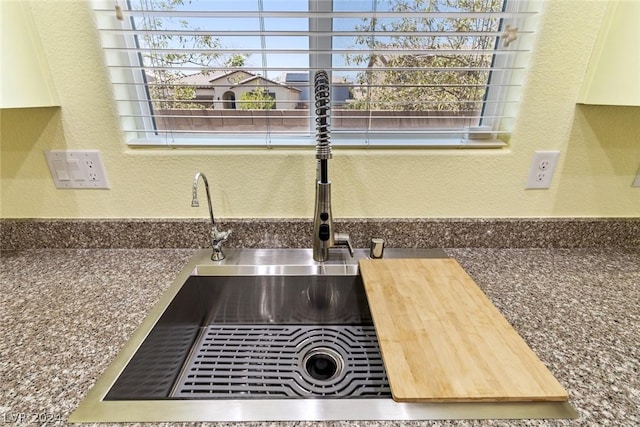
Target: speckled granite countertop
[65, 313]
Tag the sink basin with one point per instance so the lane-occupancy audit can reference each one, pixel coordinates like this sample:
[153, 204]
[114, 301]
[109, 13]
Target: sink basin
[267, 335]
[259, 336]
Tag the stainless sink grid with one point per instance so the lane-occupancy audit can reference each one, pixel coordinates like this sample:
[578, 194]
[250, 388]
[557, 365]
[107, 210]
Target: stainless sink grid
[262, 361]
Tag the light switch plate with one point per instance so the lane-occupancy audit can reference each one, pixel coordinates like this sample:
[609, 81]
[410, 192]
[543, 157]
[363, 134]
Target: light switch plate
[77, 169]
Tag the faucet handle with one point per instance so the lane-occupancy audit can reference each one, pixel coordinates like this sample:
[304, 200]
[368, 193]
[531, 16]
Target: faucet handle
[219, 236]
[343, 239]
[217, 239]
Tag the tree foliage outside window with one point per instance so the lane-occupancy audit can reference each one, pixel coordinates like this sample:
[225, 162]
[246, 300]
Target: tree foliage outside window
[426, 81]
[257, 99]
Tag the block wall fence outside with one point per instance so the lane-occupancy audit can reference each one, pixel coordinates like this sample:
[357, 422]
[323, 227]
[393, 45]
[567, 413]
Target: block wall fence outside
[298, 120]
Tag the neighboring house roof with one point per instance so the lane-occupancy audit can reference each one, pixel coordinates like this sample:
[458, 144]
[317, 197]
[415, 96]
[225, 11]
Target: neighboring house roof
[272, 82]
[206, 79]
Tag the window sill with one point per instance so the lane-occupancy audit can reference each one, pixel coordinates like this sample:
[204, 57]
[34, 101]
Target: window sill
[290, 142]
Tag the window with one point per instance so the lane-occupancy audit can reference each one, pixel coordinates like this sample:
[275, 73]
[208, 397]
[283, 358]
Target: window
[439, 73]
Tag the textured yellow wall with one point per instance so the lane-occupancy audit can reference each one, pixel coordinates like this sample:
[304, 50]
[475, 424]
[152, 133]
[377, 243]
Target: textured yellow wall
[600, 148]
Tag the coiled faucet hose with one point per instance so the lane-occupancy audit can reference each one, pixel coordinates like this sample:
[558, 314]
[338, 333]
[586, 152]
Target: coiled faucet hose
[322, 106]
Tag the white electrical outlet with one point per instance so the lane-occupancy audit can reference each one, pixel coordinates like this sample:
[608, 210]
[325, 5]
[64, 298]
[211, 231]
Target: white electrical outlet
[77, 168]
[542, 168]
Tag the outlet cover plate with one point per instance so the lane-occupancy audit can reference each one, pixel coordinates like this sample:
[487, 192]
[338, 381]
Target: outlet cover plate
[77, 169]
[542, 168]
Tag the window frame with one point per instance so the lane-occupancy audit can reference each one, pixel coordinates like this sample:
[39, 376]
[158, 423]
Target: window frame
[139, 112]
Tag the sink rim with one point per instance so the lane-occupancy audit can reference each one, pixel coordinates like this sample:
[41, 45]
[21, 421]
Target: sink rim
[282, 262]
[93, 408]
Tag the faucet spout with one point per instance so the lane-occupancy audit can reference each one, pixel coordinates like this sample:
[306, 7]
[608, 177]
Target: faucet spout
[194, 194]
[217, 237]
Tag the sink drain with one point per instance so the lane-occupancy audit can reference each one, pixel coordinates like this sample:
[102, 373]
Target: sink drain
[280, 361]
[323, 364]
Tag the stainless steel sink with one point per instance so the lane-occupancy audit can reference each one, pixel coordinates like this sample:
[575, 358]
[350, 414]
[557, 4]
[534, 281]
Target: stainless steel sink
[267, 335]
[259, 337]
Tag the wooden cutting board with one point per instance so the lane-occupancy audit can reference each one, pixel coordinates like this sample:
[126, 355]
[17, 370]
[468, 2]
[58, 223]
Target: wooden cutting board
[442, 340]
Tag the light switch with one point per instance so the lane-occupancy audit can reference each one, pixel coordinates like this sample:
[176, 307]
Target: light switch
[75, 172]
[60, 166]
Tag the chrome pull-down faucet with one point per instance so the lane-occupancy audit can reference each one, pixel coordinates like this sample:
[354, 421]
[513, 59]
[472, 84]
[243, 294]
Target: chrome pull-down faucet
[324, 236]
[217, 237]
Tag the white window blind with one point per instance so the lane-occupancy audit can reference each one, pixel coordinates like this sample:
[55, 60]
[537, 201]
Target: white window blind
[439, 73]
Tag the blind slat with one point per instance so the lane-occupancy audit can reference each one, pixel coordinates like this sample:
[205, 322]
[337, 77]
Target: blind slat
[195, 69]
[293, 132]
[168, 87]
[177, 13]
[268, 116]
[394, 52]
[428, 105]
[292, 33]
